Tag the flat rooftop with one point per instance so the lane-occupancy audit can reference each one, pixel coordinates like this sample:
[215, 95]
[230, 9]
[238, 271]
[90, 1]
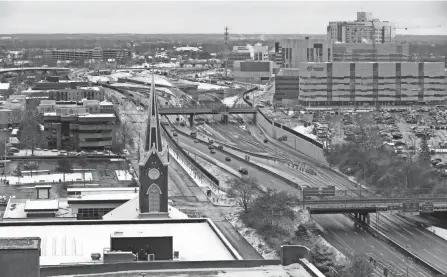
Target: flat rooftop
[19, 243]
[73, 242]
[17, 208]
[293, 270]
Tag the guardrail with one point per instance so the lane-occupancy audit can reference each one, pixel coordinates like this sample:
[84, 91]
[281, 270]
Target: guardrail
[190, 159]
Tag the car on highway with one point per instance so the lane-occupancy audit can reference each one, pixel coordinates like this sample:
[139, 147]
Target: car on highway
[243, 170]
[227, 159]
[266, 140]
[213, 151]
[210, 147]
[196, 141]
[174, 134]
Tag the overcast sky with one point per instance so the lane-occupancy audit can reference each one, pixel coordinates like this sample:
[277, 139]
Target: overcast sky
[260, 17]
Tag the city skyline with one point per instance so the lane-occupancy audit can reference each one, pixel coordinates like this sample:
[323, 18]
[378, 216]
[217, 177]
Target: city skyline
[264, 17]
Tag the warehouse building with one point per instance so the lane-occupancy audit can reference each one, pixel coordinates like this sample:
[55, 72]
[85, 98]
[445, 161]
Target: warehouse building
[371, 83]
[253, 71]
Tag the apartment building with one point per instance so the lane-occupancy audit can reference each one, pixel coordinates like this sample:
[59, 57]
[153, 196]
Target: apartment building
[76, 129]
[287, 86]
[365, 29]
[79, 54]
[297, 50]
[362, 52]
[371, 83]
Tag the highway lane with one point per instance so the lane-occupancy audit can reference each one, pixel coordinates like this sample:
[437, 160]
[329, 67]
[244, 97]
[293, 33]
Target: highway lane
[263, 178]
[342, 233]
[420, 242]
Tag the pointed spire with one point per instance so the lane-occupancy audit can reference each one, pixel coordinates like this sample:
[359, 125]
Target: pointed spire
[153, 135]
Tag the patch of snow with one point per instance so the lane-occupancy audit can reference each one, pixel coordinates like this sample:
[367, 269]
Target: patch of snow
[174, 213]
[252, 237]
[49, 178]
[123, 175]
[147, 78]
[440, 232]
[229, 101]
[206, 86]
[340, 259]
[307, 131]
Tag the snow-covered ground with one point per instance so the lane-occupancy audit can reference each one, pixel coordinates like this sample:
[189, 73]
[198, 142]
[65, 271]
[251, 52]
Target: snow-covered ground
[440, 232]
[174, 213]
[252, 237]
[307, 131]
[159, 80]
[123, 175]
[49, 178]
[229, 101]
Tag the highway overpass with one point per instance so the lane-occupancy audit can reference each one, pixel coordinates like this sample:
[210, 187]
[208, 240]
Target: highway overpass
[202, 110]
[372, 205]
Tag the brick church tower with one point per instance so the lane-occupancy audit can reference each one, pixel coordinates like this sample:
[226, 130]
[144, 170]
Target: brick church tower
[153, 179]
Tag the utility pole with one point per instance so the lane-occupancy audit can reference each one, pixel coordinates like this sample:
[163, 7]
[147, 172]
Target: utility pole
[226, 51]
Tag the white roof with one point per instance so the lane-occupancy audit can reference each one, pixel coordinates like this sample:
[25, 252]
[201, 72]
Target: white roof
[4, 85]
[74, 243]
[109, 196]
[105, 103]
[97, 115]
[42, 204]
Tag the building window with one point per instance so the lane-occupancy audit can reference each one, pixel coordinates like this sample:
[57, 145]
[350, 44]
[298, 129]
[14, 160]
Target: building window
[154, 194]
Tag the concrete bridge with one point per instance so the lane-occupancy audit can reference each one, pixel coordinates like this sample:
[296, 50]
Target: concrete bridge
[362, 207]
[224, 110]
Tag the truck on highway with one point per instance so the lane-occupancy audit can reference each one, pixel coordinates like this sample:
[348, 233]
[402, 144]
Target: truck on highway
[194, 134]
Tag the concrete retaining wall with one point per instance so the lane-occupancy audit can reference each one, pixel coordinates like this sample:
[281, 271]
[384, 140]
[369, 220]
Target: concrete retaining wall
[294, 141]
[156, 265]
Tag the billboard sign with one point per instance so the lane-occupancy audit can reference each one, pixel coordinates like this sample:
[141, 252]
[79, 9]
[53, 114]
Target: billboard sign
[427, 207]
[313, 68]
[328, 191]
[410, 207]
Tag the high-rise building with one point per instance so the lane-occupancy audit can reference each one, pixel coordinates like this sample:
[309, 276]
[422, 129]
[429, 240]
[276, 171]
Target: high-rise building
[363, 30]
[287, 86]
[362, 52]
[297, 50]
[360, 83]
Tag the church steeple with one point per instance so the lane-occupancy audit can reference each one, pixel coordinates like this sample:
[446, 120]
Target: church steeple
[153, 135]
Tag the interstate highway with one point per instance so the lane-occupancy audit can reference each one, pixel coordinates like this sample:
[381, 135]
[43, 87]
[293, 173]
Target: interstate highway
[346, 236]
[264, 178]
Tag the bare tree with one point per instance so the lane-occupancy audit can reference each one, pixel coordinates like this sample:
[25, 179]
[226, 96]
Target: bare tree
[125, 133]
[244, 192]
[31, 134]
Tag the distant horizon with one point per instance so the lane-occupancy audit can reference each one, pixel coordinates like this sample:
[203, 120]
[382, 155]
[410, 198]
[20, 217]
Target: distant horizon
[220, 34]
[211, 17]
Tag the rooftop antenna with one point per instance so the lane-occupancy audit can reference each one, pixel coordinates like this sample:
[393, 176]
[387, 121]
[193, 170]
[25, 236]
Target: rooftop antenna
[226, 51]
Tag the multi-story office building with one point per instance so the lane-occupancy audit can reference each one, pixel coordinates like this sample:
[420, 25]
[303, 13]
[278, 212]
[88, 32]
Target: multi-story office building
[69, 94]
[383, 52]
[287, 86]
[76, 129]
[84, 106]
[361, 83]
[253, 71]
[79, 54]
[297, 50]
[363, 30]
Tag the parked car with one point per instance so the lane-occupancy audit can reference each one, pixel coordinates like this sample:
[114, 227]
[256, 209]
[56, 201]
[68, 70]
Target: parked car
[213, 151]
